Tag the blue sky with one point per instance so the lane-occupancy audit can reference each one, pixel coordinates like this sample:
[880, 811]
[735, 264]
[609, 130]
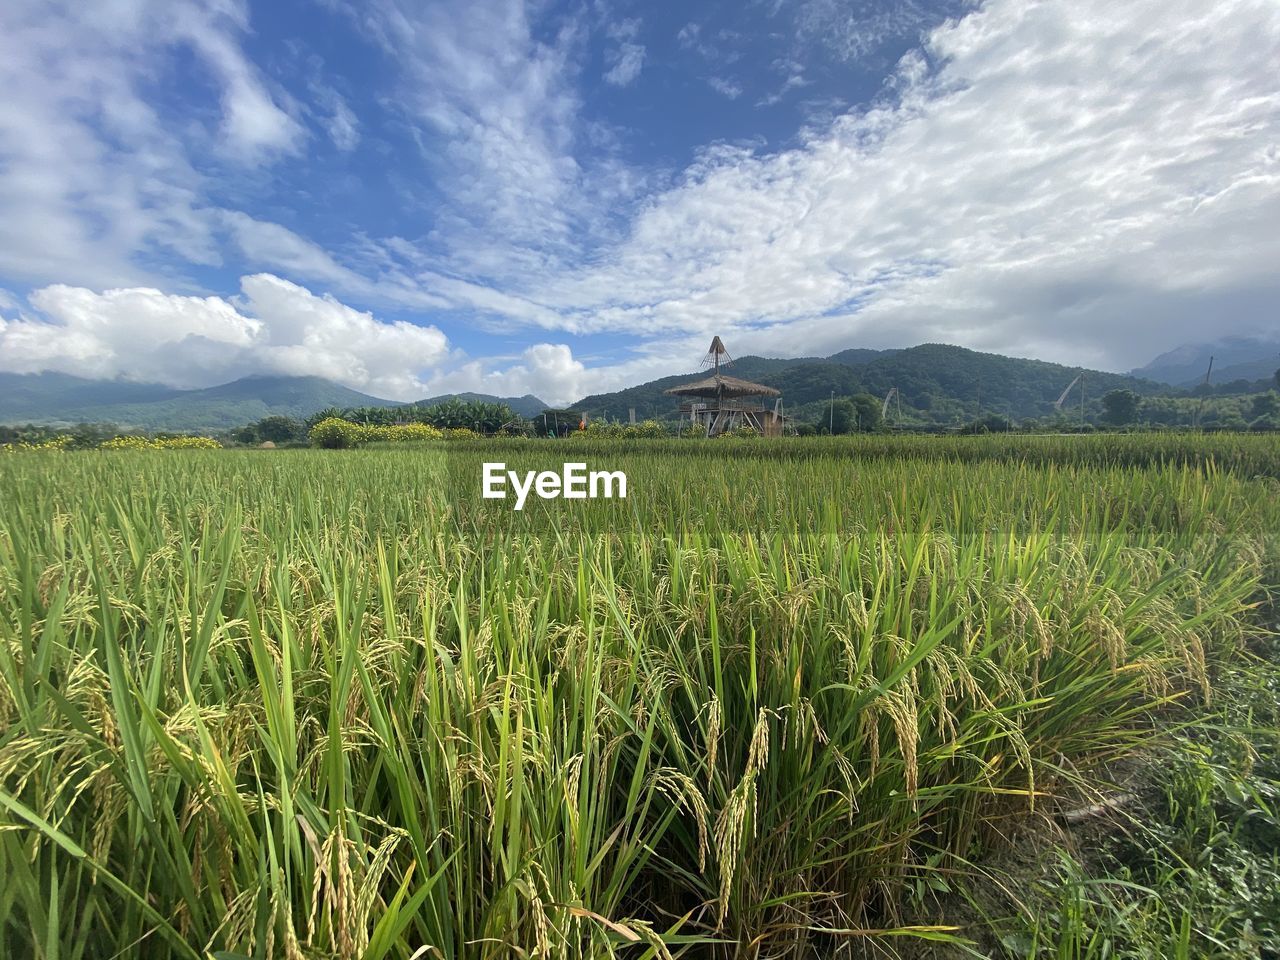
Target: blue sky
[562, 198]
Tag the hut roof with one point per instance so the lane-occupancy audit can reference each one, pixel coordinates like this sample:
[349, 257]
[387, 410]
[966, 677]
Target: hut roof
[720, 385]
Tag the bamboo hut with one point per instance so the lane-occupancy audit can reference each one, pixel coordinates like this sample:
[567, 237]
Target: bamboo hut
[721, 402]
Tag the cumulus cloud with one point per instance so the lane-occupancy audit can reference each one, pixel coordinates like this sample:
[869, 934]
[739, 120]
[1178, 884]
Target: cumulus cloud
[551, 373]
[274, 327]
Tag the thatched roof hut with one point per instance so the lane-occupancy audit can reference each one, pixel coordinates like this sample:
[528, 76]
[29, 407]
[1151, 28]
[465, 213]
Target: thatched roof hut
[722, 385]
[721, 402]
[719, 385]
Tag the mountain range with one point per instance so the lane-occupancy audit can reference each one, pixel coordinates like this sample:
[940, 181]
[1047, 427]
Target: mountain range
[941, 383]
[58, 398]
[1234, 358]
[936, 382]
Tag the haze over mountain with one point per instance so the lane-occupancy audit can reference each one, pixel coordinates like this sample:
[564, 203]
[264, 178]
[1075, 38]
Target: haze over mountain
[1234, 358]
[57, 398]
[60, 398]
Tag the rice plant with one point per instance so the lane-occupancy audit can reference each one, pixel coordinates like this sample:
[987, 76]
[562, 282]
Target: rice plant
[334, 704]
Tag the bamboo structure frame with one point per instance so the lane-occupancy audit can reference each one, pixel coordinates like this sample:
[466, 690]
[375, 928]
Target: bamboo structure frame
[721, 403]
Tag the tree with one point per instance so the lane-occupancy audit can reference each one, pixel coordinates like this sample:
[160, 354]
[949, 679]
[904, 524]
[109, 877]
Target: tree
[866, 412]
[991, 423]
[1120, 407]
[1276, 377]
[328, 413]
[335, 434]
[841, 416]
[279, 429]
[1265, 405]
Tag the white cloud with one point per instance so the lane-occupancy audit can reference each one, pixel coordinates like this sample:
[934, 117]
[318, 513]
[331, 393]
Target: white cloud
[344, 128]
[551, 373]
[274, 327]
[527, 183]
[628, 60]
[548, 371]
[93, 174]
[272, 245]
[794, 81]
[856, 31]
[254, 126]
[726, 88]
[503, 106]
[625, 29]
[1080, 181]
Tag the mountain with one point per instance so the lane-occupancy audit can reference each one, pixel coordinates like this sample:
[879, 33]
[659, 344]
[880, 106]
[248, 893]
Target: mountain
[1013, 385]
[808, 377]
[940, 383]
[26, 396]
[1234, 358]
[857, 356]
[526, 406]
[57, 398]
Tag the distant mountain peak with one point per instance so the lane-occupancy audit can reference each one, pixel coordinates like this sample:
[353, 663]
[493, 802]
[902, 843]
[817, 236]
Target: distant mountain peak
[1234, 358]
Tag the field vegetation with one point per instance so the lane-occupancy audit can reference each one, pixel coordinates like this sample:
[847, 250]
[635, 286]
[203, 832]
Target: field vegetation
[788, 699]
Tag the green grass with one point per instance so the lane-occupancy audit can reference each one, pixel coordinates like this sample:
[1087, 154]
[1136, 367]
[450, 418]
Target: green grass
[334, 704]
[1185, 868]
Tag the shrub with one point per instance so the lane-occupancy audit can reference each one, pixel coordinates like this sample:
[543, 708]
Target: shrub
[616, 430]
[160, 443]
[649, 429]
[53, 443]
[186, 443]
[126, 443]
[335, 434]
[402, 433]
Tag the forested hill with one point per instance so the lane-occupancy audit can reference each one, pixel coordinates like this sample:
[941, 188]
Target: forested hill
[527, 406]
[938, 381]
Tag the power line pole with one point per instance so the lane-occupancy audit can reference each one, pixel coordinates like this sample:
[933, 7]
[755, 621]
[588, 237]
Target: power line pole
[831, 420]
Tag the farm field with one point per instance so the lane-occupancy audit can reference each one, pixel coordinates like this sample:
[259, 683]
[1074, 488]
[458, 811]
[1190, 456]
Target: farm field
[782, 700]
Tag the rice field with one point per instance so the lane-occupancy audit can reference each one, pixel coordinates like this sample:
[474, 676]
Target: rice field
[333, 704]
